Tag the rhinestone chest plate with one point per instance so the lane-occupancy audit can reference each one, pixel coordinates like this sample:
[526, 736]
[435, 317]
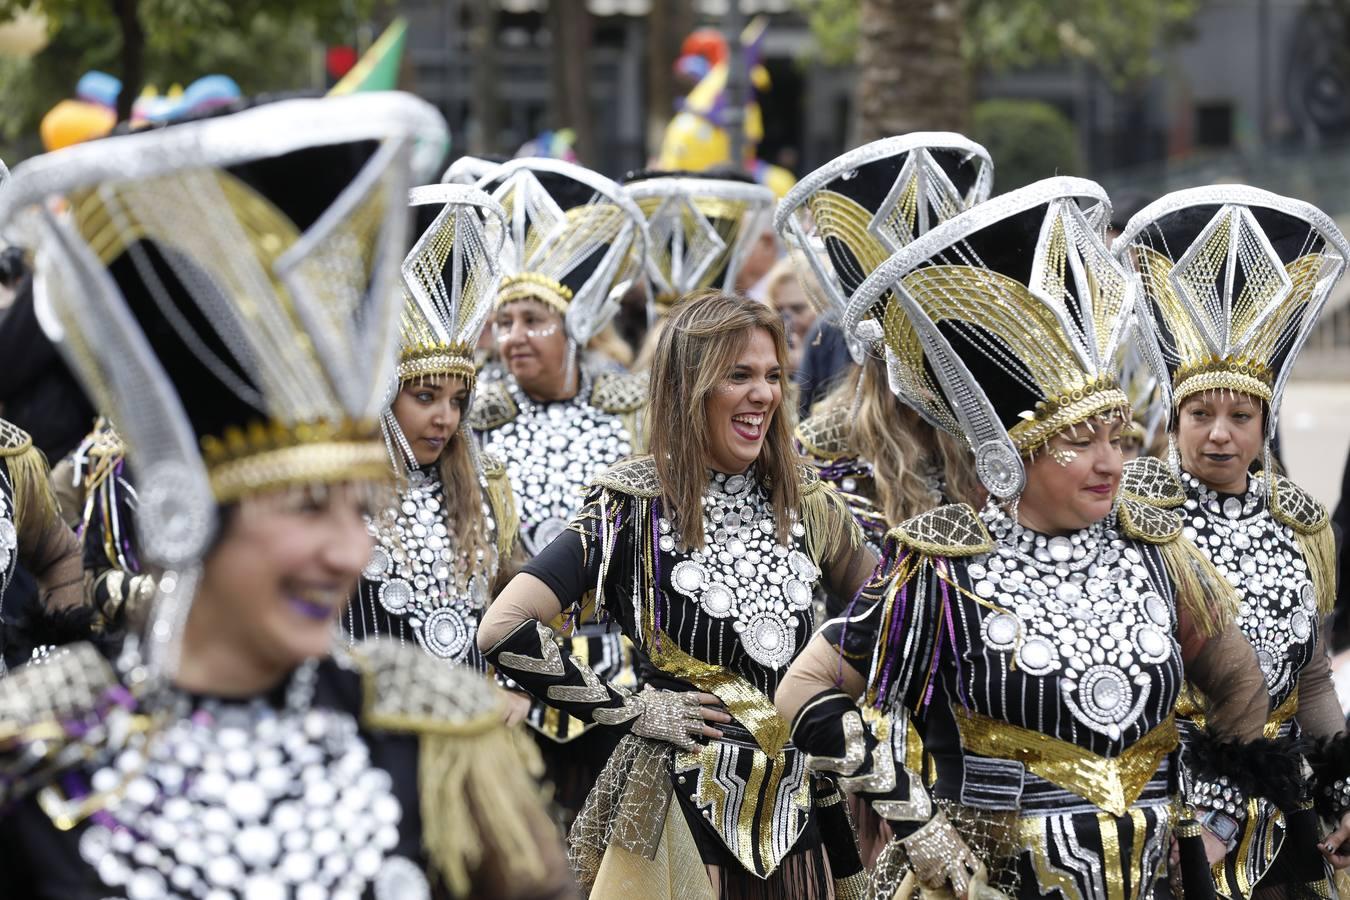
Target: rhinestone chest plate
[1082, 612]
[418, 574]
[244, 800]
[552, 451]
[743, 574]
[1260, 559]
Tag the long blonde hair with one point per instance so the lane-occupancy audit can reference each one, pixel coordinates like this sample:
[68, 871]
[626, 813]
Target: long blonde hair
[896, 441]
[464, 495]
[703, 337]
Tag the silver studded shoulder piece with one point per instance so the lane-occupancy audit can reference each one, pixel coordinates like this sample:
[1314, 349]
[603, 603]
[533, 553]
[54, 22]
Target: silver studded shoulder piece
[621, 392]
[1149, 480]
[13, 439]
[493, 466]
[1295, 507]
[493, 407]
[67, 687]
[1147, 523]
[808, 478]
[952, 530]
[51, 716]
[407, 690]
[635, 477]
[825, 435]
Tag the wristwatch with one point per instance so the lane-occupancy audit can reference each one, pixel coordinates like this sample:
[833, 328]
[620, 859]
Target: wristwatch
[1222, 826]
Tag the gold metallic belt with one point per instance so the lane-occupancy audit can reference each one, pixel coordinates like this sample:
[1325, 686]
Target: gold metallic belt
[1111, 783]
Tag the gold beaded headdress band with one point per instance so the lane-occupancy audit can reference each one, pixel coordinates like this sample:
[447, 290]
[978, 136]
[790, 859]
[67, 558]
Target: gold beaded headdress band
[1232, 281]
[701, 230]
[574, 241]
[449, 280]
[1004, 322]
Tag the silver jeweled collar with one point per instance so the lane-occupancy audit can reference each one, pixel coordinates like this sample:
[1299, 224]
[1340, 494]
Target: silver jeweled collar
[742, 572]
[240, 799]
[1260, 559]
[1082, 605]
[552, 451]
[420, 575]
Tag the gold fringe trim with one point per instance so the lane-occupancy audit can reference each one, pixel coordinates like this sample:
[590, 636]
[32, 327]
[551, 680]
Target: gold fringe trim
[34, 501]
[1204, 594]
[479, 799]
[1319, 552]
[502, 500]
[827, 521]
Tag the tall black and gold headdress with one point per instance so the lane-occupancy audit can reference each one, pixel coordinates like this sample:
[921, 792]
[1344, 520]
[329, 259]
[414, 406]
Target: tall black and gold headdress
[575, 241]
[226, 290]
[701, 229]
[449, 279]
[1232, 280]
[851, 214]
[1005, 322]
[449, 286]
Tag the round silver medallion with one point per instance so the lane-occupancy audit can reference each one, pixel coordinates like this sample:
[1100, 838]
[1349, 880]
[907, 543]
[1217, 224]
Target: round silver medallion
[447, 633]
[1000, 631]
[396, 595]
[769, 640]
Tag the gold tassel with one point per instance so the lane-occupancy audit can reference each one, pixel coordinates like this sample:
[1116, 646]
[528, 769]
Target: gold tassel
[479, 799]
[632, 423]
[827, 521]
[503, 502]
[34, 501]
[1319, 552]
[1204, 594]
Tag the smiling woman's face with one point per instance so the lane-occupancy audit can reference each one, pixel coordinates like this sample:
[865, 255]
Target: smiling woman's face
[274, 585]
[1072, 482]
[1219, 434]
[741, 409]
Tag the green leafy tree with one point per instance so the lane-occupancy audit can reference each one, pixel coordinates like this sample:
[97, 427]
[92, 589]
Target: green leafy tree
[1115, 37]
[1028, 140]
[262, 45]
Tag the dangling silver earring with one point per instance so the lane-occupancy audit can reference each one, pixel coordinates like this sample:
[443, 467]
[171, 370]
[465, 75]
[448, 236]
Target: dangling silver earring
[1173, 455]
[572, 364]
[393, 430]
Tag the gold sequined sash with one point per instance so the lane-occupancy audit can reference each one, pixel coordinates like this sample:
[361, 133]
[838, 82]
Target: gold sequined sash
[1111, 783]
[1191, 706]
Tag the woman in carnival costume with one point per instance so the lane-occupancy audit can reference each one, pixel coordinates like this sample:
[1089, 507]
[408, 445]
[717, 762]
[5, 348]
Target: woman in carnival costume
[225, 290]
[842, 221]
[440, 547]
[707, 554]
[1040, 645]
[1234, 279]
[574, 244]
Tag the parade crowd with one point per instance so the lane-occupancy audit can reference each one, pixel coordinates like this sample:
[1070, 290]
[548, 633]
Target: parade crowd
[506, 531]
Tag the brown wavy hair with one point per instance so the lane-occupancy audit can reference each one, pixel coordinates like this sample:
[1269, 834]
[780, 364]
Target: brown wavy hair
[698, 349]
[896, 440]
[464, 495]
